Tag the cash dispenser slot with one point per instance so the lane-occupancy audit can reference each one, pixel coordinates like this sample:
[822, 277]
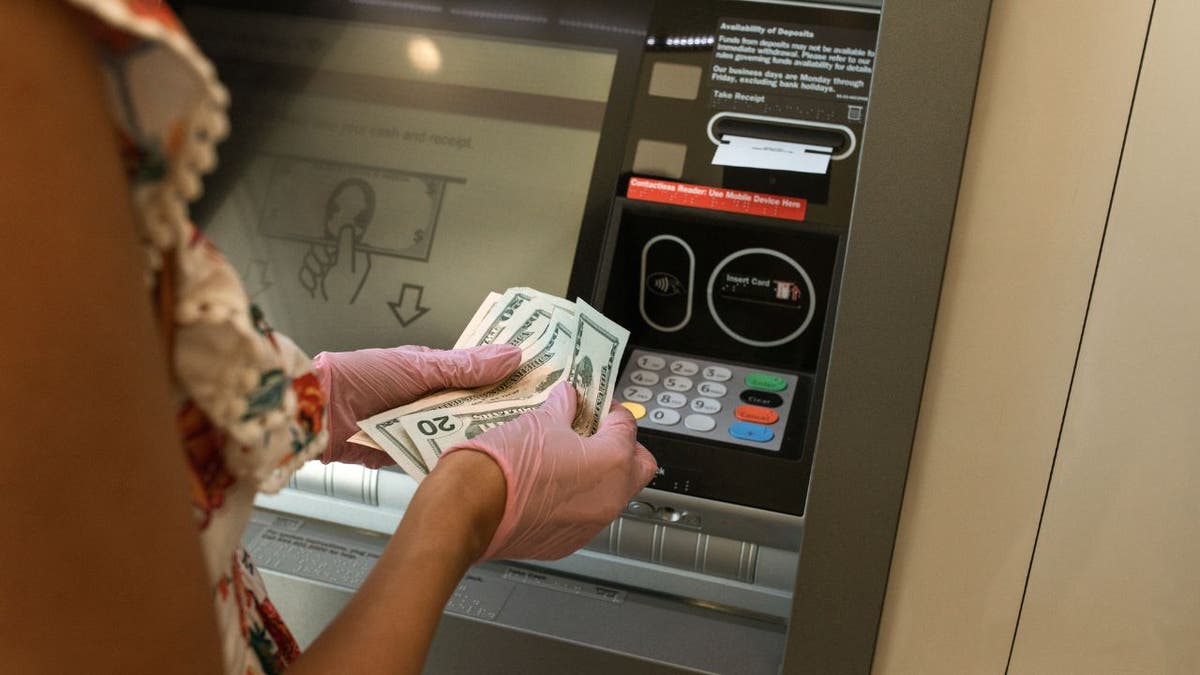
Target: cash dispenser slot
[840, 139]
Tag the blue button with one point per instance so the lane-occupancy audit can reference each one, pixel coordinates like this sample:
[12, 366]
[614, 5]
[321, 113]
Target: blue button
[746, 431]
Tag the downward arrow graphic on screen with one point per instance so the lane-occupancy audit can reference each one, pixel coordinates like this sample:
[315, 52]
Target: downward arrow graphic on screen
[408, 308]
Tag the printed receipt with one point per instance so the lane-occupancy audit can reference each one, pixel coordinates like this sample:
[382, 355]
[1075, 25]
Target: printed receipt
[758, 153]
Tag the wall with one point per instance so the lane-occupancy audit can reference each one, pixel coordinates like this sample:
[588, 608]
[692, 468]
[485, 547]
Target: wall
[1053, 102]
[1114, 584]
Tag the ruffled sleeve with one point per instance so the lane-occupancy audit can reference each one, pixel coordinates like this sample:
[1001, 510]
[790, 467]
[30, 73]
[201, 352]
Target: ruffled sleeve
[249, 409]
[253, 387]
[169, 110]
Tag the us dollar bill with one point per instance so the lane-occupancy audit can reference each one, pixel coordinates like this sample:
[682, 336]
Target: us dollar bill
[517, 316]
[546, 364]
[558, 303]
[497, 319]
[527, 324]
[531, 319]
[533, 327]
[485, 308]
[390, 437]
[559, 341]
[435, 431]
[599, 344]
[535, 324]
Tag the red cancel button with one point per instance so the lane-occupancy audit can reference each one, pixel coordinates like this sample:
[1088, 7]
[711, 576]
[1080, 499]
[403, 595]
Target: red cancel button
[753, 413]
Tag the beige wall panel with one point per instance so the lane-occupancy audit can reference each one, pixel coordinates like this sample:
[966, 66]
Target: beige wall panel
[1052, 105]
[1115, 584]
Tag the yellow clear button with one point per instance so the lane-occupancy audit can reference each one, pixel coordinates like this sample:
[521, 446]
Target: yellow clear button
[638, 410]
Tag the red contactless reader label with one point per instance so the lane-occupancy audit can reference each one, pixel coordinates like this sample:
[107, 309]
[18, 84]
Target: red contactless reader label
[717, 199]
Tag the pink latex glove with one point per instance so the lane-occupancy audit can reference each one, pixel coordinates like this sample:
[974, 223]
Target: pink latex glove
[369, 381]
[562, 489]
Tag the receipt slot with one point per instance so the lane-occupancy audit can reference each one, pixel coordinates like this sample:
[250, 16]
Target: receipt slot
[761, 192]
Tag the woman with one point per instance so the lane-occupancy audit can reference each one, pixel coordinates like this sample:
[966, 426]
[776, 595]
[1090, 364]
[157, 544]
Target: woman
[118, 412]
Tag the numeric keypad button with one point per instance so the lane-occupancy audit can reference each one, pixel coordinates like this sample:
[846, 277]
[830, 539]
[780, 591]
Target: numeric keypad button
[762, 398]
[677, 383]
[699, 422]
[663, 416]
[707, 406]
[710, 389]
[685, 368]
[644, 378]
[756, 414]
[636, 409]
[651, 362]
[670, 399]
[765, 382]
[747, 431]
[637, 394]
[717, 373]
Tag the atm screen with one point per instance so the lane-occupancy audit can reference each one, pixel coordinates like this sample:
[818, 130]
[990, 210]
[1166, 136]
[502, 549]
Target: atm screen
[381, 178]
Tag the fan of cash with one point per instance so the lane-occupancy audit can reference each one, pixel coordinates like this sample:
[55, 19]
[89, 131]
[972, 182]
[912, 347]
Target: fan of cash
[559, 341]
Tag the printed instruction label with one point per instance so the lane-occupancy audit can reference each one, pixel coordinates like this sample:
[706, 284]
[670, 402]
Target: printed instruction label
[565, 585]
[717, 199]
[784, 69]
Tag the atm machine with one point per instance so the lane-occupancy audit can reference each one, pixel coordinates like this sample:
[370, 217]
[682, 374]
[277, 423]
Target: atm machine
[761, 192]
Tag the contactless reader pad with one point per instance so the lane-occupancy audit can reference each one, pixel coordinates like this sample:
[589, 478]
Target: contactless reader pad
[668, 274]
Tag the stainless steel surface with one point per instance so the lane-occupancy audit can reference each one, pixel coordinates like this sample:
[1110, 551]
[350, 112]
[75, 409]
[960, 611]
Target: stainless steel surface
[358, 490]
[721, 573]
[732, 521]
[913, 147]
[529, 615]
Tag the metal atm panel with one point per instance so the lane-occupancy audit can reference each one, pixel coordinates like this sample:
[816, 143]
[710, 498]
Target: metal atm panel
[730, 561]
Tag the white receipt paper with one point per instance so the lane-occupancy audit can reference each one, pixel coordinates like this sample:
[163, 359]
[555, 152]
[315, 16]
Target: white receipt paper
[758, 153]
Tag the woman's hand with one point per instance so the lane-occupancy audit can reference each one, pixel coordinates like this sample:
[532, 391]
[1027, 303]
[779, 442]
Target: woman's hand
[561, 489]
[368, 381]
[532, 488]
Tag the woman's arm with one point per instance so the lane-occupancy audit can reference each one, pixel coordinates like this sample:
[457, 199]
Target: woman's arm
[101, 569]
[529, 488]
[390, 621]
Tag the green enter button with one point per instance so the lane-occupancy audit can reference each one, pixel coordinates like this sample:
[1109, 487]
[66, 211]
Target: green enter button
[764, 382]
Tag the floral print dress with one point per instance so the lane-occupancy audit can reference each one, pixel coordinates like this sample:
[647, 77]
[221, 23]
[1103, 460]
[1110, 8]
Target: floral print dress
[249, 408]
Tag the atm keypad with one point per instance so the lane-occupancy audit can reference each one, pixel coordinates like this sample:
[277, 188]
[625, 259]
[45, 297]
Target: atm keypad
[717, 374]
[766, 382]
[747, 431]
[664, 416]
[755, 414]
[637, 394]
[762, 399]
[644, 377]
[671, 399]
[637, 409]
[715, 401]
[677, 383]
[650, 362]
[682, 367]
